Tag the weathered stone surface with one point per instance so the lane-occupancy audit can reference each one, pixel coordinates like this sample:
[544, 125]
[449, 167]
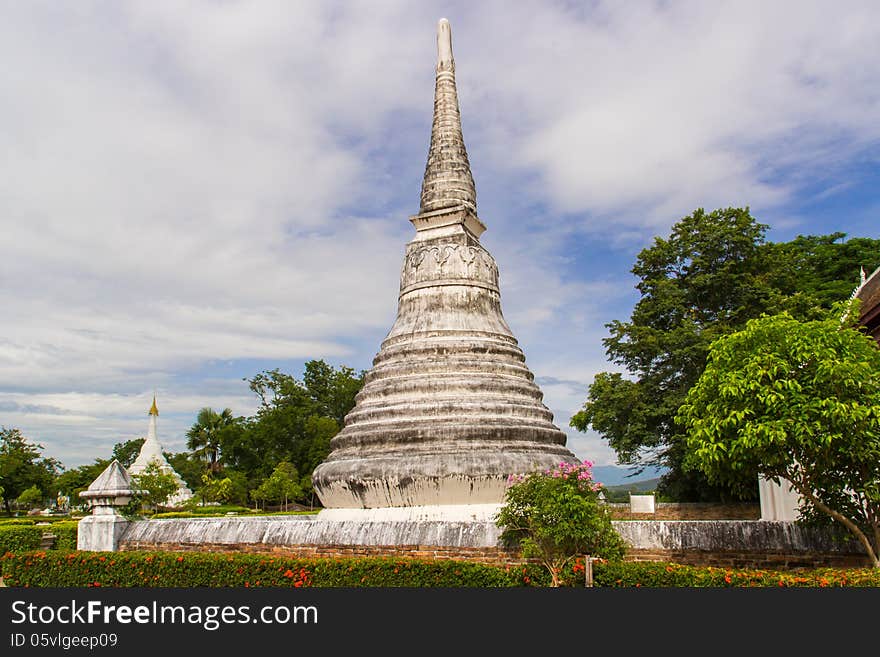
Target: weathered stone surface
[720, 543]
[306, 530]
[449, 409]
[448, 181]
[103, 530]
[101, 533]
[731, 535]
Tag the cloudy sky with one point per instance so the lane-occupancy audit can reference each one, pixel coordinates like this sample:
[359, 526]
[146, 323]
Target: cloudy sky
[193, 192]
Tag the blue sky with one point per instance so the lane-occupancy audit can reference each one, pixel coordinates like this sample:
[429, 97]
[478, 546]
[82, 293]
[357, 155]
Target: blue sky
[193, 192]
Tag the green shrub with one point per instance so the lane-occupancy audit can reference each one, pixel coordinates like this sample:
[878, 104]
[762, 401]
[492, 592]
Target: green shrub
[65, 534]
[660, 574]
[554, 516]
[194, 511]
[17, 521]
[57, 568]
[20, 538]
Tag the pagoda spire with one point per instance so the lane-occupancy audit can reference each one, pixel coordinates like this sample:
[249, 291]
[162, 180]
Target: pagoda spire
[448, 183]
[154, 410]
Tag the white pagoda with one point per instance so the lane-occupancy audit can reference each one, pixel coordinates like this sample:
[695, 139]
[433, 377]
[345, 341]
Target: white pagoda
[151, 451]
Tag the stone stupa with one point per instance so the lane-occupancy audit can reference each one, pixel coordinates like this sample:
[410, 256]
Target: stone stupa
[151, 452]
[449, 409]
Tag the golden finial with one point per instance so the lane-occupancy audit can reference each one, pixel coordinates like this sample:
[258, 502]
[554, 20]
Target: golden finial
[154, 409]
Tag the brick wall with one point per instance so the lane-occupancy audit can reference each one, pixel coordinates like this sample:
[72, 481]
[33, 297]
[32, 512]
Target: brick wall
[492, 555]
[765, 560]
[692, 511]
[499, 556]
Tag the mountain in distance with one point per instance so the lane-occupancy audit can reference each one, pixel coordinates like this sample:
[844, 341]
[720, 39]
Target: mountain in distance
[615, 475]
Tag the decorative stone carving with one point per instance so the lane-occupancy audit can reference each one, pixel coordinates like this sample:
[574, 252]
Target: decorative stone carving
[447, 264]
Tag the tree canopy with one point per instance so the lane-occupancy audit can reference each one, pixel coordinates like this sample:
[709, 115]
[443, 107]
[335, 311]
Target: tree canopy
[798, 401]
[712, 274]
[203, 437]
[154, 486]
[294, 423]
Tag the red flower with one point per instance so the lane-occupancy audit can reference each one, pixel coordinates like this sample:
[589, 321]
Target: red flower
[180, 558]
[289, 573]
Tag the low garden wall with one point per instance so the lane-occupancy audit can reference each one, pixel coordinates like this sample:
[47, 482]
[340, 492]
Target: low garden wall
[727, 543]
[689, 511]
[723, 543]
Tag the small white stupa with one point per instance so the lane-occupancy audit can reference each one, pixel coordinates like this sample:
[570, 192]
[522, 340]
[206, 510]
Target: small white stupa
[151, 451]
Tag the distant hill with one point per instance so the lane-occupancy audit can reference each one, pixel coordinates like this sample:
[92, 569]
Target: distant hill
[635, 486]
[613, 475]
[621, 492]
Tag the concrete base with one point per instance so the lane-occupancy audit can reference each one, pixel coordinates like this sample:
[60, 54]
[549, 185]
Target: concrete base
[273, 532]
[101, 533]
[439, 512]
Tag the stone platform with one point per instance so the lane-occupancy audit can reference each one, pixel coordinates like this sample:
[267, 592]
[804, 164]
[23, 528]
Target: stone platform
[724, 543]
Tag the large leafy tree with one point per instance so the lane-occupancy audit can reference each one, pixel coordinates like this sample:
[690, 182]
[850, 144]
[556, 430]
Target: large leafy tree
[189, 466]
[203, 436]
[154, 485]
[127, 452]
[295, 421]
[281, 486]
[712, 274]
[825, 267]
[798, 401]
[23, 466]
[71, 482]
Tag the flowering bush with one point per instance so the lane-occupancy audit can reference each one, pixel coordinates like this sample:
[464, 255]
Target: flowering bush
[660, 574]
[57, 568]
[554, 516]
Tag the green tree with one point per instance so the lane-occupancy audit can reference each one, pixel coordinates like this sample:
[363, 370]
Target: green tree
[72, 482]
[282, 485]
[127, 452]
[824, 267]
[189, 466]
[798, 401]
[31, 498]
[22, 466]
[154, 485]
[556, 516]
[203, 436]
[232, 487]
[294, 423]
[712, 274]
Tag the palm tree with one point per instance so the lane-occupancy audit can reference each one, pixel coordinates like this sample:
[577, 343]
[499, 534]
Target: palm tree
[203, 437]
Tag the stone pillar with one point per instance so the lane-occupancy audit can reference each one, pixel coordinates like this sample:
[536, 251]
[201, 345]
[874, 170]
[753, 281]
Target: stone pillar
[103, 530]
[778, 501]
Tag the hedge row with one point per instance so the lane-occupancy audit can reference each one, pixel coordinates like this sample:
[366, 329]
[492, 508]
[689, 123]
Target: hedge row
[21, 538]
[34, 520]
[197, 569]
[205, 569]
[65, 535]
[661, 574]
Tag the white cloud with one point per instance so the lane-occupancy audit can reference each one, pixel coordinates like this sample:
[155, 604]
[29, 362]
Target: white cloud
[185, 183]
